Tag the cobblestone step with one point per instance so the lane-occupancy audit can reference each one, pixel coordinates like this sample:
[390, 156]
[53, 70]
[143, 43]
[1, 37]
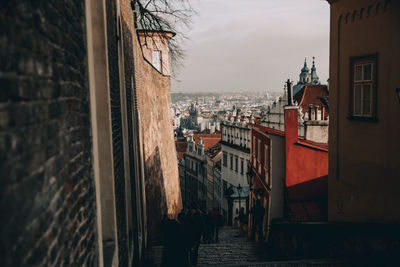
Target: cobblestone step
[234, 249]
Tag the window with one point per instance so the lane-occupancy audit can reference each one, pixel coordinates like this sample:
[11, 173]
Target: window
[157, 60]
[225, 159]
[241, 166]
[266, 157]
[231, 162]
[363, 87]
[236, 163]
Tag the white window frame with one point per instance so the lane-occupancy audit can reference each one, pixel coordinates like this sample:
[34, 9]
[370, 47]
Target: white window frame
[356, 112]
[157, 60]
[363, 83]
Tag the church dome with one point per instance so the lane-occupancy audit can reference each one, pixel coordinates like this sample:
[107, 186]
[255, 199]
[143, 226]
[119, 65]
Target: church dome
[305, 68]
[305, 74]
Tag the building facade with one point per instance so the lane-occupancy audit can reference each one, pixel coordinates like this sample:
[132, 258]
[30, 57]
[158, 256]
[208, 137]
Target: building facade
[260, 164]
[364, 131]
[213, 159]
[235, 146]
[276, 141]
[195, 174]
[217, 184]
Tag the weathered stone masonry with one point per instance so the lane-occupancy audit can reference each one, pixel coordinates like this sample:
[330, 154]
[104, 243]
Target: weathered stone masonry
[47, 199]
[161, 171]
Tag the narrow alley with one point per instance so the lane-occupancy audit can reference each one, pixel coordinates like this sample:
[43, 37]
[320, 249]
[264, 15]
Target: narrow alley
[235, 249]
[132, 129]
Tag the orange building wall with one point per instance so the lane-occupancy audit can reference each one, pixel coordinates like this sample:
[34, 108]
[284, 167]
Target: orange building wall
[303, 163]
[364, 175]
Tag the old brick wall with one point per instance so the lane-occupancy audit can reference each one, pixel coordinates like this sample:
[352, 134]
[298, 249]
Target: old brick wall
[161, 166]
[117, 135]
[47, 199]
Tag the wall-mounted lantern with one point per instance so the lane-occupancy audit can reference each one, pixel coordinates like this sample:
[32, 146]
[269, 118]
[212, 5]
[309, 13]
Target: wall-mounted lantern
[250, 176]
[398, 93]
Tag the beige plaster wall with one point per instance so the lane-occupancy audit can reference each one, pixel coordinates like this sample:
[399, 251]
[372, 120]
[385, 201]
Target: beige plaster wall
[317, 131]
[364, 166]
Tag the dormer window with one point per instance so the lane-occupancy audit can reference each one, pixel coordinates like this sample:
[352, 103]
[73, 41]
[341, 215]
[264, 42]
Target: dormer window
[157, 60]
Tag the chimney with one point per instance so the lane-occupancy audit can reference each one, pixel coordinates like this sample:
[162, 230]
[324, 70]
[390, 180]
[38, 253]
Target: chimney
[291, 138]
[289, 86]
[291, 124]
[323, 113]
[316, 112]
[310, 111]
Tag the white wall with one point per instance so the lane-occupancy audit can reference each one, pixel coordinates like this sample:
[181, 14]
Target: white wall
[275, 118]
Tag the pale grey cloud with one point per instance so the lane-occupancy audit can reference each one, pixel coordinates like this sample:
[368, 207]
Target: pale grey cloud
[253, 44]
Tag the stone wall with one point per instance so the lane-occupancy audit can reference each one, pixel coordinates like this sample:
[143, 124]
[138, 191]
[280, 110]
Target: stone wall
[48, 195]
[47, 200]
[161, 165]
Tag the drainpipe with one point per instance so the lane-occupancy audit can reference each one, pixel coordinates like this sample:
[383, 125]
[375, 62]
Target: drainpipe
[316, 112]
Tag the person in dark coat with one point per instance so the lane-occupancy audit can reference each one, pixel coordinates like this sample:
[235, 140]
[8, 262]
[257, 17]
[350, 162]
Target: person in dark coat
[257, 220]
[175, 252]
[181, 216]
[194, 225]
[217, 221]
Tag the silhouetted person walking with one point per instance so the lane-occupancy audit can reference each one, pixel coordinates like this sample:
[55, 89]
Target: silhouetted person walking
[175, 252]
[257, 220]
[181, 216]
[194, 225]
[217, 221]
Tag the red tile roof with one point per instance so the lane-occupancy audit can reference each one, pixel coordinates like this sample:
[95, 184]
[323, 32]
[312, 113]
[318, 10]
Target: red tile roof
[310, 94]
[312, 144]
[209, 140]
[268, 130]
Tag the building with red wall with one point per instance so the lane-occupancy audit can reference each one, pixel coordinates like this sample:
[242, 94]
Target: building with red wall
[306, 170]
[289, 172]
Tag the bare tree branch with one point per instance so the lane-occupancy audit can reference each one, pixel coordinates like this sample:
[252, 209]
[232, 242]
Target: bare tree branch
[167, 16]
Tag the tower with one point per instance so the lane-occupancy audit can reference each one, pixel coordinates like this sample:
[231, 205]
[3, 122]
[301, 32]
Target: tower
[305, 76]
[314, 76]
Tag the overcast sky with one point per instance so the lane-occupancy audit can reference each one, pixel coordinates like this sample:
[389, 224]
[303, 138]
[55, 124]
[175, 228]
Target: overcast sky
[253, 45]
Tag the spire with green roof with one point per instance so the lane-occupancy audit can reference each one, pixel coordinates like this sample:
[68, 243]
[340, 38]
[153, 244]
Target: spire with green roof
[314, 76]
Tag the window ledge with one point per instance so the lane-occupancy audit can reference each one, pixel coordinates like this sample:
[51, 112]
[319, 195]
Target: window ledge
[360, 118]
